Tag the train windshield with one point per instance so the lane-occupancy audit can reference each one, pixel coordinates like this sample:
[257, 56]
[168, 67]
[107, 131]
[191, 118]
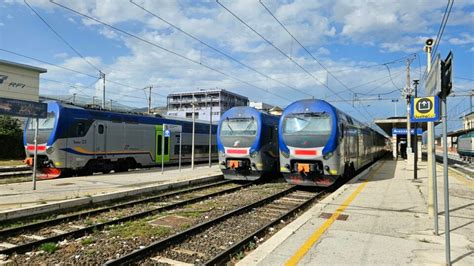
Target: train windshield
[238, 132]
[44, 123]
[239, 127]
[307, 130]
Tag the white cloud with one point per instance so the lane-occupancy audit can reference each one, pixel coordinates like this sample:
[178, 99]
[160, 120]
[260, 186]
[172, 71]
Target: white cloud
[2, 24]
[465, 38]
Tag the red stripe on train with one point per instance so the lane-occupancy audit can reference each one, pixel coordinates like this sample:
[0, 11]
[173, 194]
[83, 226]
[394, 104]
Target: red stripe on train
[306, 152]
[32, 147]
[237, 151]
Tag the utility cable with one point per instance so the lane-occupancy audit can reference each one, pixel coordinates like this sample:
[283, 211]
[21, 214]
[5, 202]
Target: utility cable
[217, 50]
[60, 37]
[167, 50]
[281, 52]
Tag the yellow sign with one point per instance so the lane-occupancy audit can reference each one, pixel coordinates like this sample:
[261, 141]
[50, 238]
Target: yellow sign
[425, 109]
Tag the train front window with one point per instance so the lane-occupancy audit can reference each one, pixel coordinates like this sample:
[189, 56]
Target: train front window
[238, 132]
[44, 123]
[239, 127]
[307, 130]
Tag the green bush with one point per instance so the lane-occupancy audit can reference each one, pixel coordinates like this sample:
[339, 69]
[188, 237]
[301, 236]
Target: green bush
[11, 138]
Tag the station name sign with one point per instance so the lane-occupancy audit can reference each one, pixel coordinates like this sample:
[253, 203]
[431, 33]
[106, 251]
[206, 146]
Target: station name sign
[403, 131]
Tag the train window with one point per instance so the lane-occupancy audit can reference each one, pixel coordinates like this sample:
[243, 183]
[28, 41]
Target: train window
[101, 129]
[80, 129]
[166, 145]
[158, 149]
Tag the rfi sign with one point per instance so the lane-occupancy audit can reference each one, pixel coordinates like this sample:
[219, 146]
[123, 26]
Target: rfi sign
[425, 109]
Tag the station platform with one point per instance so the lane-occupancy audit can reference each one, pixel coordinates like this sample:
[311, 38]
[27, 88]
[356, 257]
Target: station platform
[19, 199]
[379, 218]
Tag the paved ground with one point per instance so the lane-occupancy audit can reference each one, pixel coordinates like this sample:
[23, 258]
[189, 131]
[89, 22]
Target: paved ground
[387, 223]
[19, 195]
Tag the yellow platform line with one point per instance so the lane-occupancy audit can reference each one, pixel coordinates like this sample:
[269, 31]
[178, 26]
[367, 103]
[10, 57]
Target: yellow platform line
[301, 252]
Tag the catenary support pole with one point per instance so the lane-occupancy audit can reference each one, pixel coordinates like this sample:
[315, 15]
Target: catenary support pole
[415, 128]
[210, 136]
[103, 90]
[446, 182]
[408, 95]
[432, 182]
[180, 141]
[192, 137]
[163, 148]
[35, 156]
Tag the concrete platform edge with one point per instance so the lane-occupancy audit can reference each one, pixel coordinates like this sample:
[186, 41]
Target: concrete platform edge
[262, 251]
[73, 203]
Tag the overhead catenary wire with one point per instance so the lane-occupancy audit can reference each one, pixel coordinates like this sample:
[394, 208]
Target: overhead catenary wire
[60, 37]
[283, 53]
[69, 69]
[218, 50]
[169, 51]
[439, 35]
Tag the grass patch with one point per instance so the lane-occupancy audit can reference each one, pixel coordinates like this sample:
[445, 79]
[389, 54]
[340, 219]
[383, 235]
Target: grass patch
[11, 162]
[87, 241]
[138, 229]
[49, 247]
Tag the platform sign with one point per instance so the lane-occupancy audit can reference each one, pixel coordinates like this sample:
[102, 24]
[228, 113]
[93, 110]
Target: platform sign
[425, 109]
[23, 108]
[433, 81]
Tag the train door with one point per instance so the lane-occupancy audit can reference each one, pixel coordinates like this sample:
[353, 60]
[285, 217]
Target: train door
[162, 152]
[100, 140]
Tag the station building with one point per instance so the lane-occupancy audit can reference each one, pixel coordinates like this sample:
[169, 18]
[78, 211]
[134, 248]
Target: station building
[180, 104]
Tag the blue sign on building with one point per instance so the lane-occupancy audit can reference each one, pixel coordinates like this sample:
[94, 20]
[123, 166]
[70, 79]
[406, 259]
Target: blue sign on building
[167, 133]
[403, 131]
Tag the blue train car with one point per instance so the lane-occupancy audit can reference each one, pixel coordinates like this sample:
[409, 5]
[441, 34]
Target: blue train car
[247, 140]
[77, 140]
[319, 143]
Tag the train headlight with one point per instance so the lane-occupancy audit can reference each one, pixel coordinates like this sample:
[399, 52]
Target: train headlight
[327, 156]
[286, 155]
[254, 154]
[50, 150]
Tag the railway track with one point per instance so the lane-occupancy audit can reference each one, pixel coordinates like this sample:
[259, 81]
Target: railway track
[49, 232]
[215, 241]
[17, 171]
[24, 238]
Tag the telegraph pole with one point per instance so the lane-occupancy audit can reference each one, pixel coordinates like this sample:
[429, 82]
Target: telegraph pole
[111, 104]
[74, 98]
[102, 75]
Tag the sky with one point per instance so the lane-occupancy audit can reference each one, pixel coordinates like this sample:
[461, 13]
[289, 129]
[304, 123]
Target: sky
[351, 53]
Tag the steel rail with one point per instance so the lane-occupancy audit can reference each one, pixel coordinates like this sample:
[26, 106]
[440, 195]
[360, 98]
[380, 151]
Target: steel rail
[225, 256]
[89, 229]
[32, 226]
[164, 243]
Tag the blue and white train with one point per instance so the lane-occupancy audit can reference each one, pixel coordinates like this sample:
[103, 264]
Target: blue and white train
[247, 140]
[319, 143]
[77, 140]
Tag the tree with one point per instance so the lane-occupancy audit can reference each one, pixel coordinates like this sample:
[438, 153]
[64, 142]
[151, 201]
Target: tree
[11, 138]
